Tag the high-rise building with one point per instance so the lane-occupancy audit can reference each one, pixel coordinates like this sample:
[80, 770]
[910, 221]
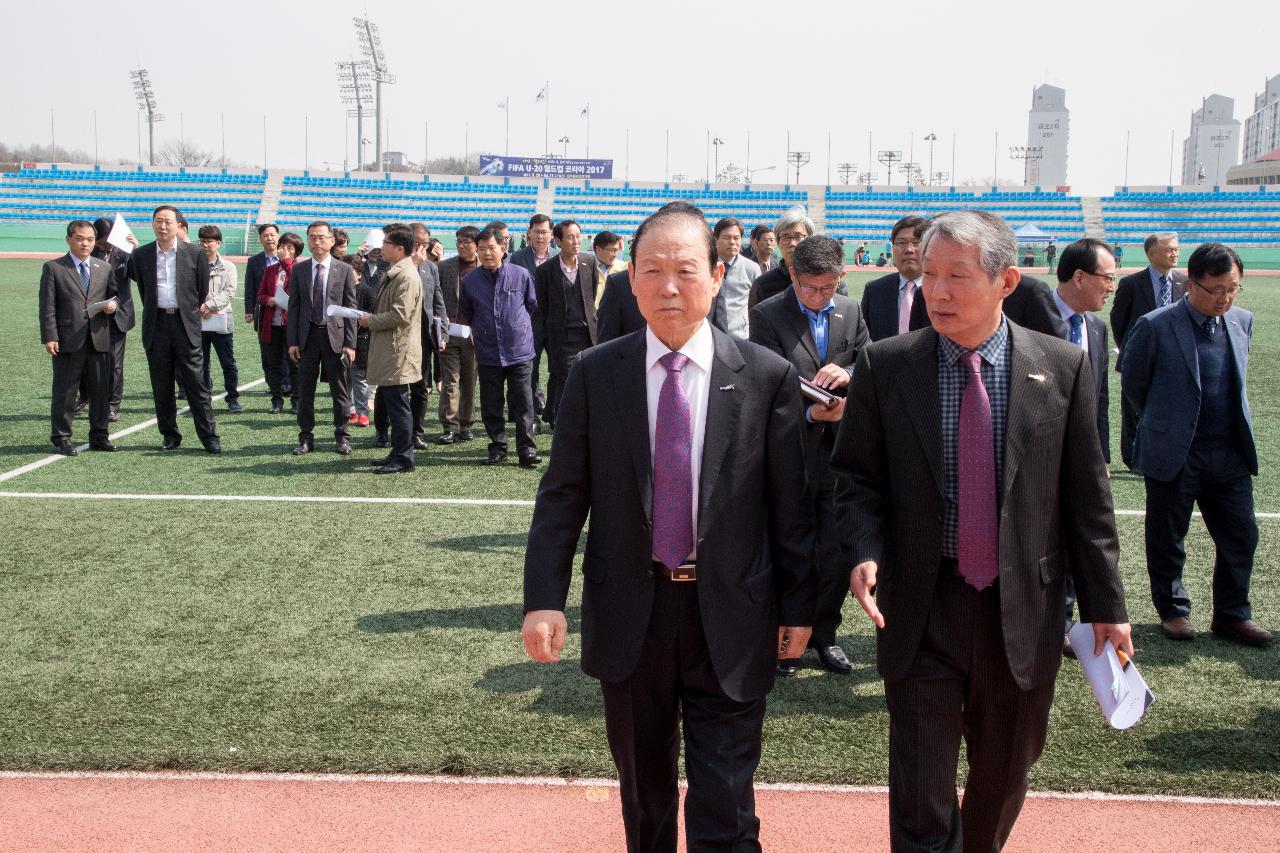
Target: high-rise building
[1213, 146]
[1047, 125]
[1262, 129]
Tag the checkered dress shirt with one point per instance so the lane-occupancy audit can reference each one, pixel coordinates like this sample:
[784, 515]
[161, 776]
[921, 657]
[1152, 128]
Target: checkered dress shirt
[952, 379]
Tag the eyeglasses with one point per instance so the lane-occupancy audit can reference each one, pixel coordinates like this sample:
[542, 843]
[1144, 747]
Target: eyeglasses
[1230, 293]
[1109, 279]
[903, 244]
[818, 291]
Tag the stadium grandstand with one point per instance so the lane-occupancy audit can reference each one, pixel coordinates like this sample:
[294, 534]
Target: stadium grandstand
[38, 197]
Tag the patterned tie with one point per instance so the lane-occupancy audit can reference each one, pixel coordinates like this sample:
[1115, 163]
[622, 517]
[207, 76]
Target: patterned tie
[1166, 291]
[317, 296]
[979, 537]
[1211, 326]
[1076, 337]
[904, 312]
[84, 276]
[673, 468]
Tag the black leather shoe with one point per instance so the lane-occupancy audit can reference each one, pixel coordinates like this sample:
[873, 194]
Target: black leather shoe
[293, 410]
[113, 415]
[533, 460]
[465, 435]
[789, 667]
[420, 443]
[81, 407]
[393, 468]
[171, 444]
[66, 448]
[382, 440]
[103, 444]
[833, 658]
[343, 448]
[234, 406]
[447, 438]
[1245, 631]
[302, 449]
[378, 463]
[277, 408]
[213, 446]
[496, 458]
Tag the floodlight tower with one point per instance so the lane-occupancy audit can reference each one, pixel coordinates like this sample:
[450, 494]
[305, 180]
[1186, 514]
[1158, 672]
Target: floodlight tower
[846, 170]
[355, 84]
[912, 171]
[370, 43]
[888, 158]
[1032, 154]
[931, 139]
[867, 178]
[147, 102]
[798, 159]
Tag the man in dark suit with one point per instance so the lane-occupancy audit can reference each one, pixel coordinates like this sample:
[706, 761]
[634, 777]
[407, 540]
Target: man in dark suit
[821, 333]
[619, 314]
[1030, 306]
[971, 479]
[317, 339]
[685, 448]
[1156, 286]
[887, 301]
[120, 321]
[173, 282]
[1184, 373]
[531, 257]
[458, 358]
[566, 317]
[80, 344]
[255, 269]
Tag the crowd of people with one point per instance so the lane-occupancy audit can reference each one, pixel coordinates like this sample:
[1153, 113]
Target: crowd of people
[733, 420]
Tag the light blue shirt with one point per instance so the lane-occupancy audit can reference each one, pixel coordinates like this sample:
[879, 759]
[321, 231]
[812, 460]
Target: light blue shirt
[1067, 313]
[819, 323]
[1155, 285]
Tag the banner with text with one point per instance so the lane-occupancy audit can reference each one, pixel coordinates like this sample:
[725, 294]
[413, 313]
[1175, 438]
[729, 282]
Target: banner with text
[545, 167]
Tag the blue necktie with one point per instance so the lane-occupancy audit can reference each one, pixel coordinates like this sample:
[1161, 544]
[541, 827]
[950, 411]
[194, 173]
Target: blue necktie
[1166, 291]
[1076, 323]
[84, 276]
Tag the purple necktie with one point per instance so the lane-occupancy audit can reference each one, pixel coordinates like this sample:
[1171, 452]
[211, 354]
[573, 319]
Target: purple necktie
[978, 553]
[318, 296]
[673, 468]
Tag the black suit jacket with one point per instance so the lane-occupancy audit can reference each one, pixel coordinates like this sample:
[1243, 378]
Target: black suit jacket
[547, 284]
[619, 313]
[1055, 499]
[1099, 355]
[433, 306]
[1030, 306]
[340, 289]
[754, 538]
[118, 260]
[1135, 297]
[880, 306]
[192, 287]
[253, 271]
[63, 304]
[450, 286]
[778, 324]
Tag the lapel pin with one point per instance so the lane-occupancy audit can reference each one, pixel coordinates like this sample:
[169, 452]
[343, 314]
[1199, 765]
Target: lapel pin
[839, 316]
[727, 388]
[1039, 377]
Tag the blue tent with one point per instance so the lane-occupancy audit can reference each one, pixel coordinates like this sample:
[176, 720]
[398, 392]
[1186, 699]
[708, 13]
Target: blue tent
[1029, 233]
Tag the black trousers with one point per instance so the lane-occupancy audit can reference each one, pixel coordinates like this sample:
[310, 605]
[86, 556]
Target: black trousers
[674, 681]
[115, 372]
[280, 377]
[960, 687]
[173, 356]
[833, 574]
[86, 372]
[315, 353]
[223, 345]
[1216, 478]
[518, 396]
[394, 401]
[560, 358]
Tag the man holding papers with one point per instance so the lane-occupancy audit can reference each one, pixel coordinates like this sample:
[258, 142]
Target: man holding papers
[316, 337]
[970, 480]
[821, 333]
[78, 339]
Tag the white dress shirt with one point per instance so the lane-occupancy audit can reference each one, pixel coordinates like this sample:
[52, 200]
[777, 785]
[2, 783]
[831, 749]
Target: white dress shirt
[695, 378]
[167, 276]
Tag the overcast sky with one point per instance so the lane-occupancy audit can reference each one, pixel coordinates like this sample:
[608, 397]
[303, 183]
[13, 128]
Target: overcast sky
[959, 69]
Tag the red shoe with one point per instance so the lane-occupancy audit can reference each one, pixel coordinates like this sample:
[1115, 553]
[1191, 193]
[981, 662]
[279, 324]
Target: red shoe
[353, 418]
[362, 420]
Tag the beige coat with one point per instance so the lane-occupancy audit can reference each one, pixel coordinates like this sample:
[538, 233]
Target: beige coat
[395, 345]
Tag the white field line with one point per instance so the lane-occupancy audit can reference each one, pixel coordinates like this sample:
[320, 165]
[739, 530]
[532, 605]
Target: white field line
[322, 499]
[50, 459]
[557, 781]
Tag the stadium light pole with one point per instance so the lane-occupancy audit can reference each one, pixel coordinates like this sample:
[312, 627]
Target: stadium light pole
[370, 43]
[355, 86]
[888, 157]
[146, 98]
[798, 159]
[1031, 155]
[564, 140]
[846, 170]
[867, 178]
[505, 106]
[586, 113]
[931, 139]
[717, 142]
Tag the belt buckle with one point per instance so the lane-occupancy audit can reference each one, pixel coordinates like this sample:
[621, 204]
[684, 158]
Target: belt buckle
[685, 572]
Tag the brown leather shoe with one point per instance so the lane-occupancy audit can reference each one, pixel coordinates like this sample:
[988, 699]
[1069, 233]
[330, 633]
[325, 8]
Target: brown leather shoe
[1246, 631]
[1177, 628]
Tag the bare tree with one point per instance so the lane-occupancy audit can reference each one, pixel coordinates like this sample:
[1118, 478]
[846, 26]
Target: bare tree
[179, 152]
[452, 165]
[987, 182]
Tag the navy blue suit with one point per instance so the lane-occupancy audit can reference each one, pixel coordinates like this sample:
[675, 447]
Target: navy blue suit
[1165, 355]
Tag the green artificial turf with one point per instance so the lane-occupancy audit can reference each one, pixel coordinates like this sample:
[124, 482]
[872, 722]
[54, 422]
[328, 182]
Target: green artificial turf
[214, 635]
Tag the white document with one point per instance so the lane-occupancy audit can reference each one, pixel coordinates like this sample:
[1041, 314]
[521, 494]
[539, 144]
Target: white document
[374, 239]
[120, 232]
[346, 313]
[457, 330]
[1121, 692]
[281, 297]
[95, 308]
[220, 323]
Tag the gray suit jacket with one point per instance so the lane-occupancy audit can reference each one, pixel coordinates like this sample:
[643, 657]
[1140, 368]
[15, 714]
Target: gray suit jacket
[433, 303]
[340, 289]
[730, 311]
[1160, 377]
[63, 303]
[1055, 500]
[192, 288]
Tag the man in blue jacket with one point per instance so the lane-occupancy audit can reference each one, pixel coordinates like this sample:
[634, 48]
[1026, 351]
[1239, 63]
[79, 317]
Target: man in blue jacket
[1183, 371]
